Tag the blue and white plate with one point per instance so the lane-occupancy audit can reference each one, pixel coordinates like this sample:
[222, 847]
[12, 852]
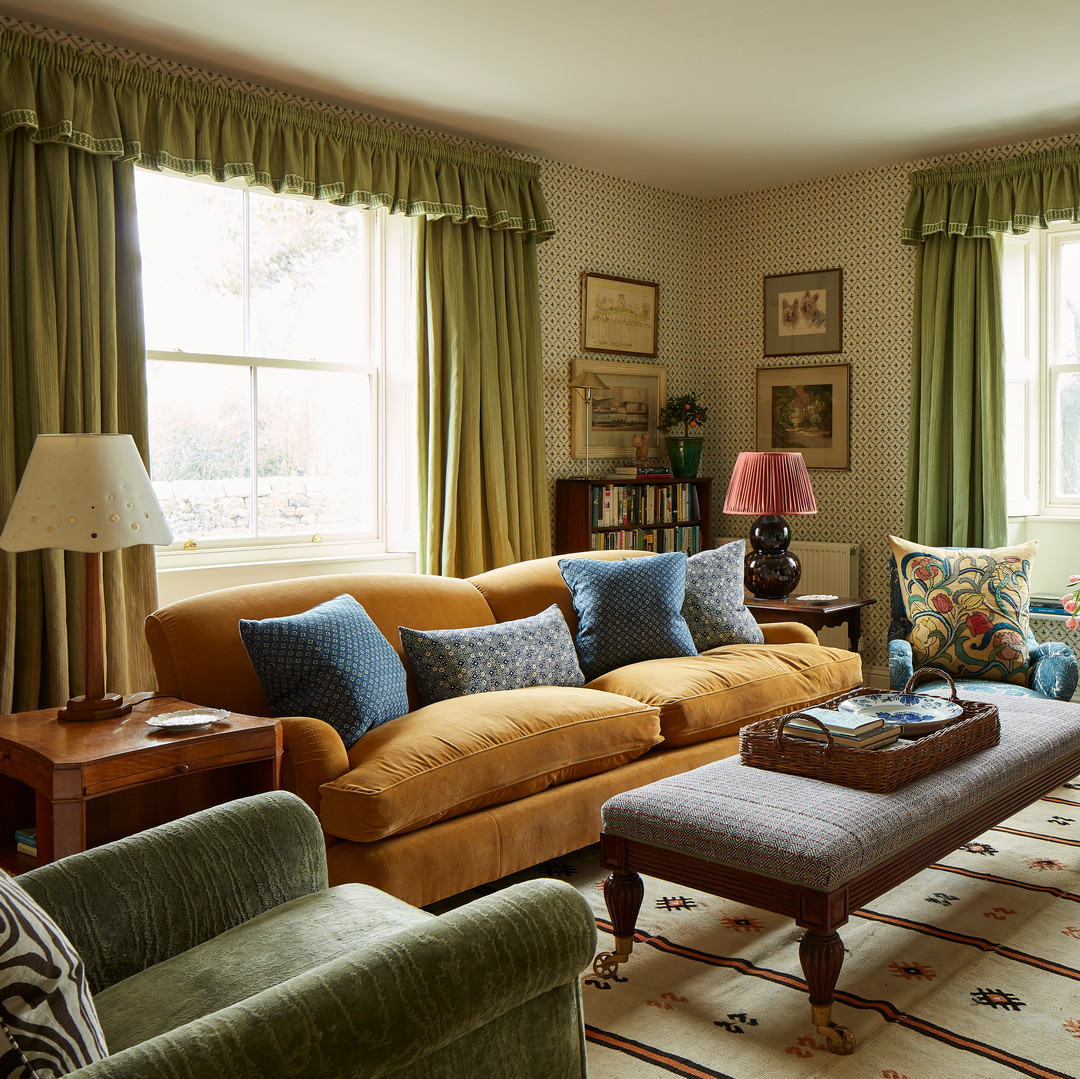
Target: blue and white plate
[903, 708]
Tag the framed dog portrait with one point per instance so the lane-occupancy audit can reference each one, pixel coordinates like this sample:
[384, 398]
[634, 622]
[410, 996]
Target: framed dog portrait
[804, 313]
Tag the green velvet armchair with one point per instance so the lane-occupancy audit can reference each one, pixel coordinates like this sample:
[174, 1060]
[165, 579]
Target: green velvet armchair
[214, 947]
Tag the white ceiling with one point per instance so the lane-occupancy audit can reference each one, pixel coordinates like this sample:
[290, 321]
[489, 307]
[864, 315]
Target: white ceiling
[705, 97]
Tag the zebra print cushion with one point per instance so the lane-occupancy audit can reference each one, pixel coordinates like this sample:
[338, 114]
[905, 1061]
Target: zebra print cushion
[48, 1025]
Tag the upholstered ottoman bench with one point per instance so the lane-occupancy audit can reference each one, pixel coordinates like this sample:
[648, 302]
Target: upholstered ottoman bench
[817, 851]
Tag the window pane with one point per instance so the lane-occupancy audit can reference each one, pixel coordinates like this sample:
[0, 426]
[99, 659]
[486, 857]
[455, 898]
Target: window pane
[1067, 449]
[1069, 313]
[318, 467]
[191, 236]
[1016, 440]
[308, 281]
[200, 447]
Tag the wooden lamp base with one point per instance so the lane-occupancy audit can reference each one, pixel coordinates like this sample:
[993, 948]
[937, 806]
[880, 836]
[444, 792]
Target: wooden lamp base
[106, 707]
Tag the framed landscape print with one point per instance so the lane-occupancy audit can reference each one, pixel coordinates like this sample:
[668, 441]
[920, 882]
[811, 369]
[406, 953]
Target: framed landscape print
[804, 313]
[807, 409]
[625, 410]
[618, 314]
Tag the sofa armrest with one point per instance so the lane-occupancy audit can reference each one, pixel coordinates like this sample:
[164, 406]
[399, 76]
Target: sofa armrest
[488, 989]
[313, 754]
[135, 902]
[788, 633]
[1054, 670]
[901, 665]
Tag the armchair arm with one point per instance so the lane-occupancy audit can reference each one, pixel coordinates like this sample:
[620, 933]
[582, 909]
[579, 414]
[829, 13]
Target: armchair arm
[788, 633]
[901, 665]
[508, 963]
[130, 904]
[1054, 670]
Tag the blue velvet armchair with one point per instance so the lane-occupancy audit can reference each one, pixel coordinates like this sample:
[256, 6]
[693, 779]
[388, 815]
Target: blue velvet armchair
[1053, 664]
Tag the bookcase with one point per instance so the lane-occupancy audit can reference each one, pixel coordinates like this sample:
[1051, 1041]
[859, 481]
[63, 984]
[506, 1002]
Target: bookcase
[646, 514]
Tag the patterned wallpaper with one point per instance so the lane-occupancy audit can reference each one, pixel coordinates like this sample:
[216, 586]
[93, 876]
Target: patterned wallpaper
[709, 258]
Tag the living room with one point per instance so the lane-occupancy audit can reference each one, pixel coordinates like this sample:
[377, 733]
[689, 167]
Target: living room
[710, 255]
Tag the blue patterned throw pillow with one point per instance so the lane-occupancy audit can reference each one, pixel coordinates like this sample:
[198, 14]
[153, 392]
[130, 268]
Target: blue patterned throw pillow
[628, 611]
[535, 651]
[331, 663]
[714, 608]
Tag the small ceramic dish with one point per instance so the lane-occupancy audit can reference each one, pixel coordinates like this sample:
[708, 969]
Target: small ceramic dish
[190, 719]
[816, 597]
[915, 713]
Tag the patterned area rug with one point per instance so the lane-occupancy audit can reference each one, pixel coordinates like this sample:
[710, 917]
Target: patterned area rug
[969, 969]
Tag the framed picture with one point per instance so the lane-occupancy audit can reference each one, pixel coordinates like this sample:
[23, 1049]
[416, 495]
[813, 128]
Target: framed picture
[804, 313]
[618, 315]
[806, 409]
[625, 410]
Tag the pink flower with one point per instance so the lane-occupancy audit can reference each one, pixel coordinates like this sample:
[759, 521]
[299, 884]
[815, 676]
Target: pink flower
[1074, 578]
[1069, 603]
[1072, 623]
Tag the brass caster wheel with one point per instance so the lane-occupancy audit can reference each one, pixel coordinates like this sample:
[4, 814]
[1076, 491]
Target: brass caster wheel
[606, 965]
[839, 1039]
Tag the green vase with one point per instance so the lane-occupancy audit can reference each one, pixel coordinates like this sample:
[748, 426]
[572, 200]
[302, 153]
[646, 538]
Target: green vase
[684, 454]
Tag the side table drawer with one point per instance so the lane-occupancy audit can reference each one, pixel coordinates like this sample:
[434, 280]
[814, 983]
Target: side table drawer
[179, 756]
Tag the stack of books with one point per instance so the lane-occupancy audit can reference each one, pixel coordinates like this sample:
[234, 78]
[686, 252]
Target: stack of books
[846, 728]
[641, 472]
[26, 841]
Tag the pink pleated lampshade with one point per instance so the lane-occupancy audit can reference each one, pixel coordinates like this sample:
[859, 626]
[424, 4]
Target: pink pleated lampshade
[773, 483]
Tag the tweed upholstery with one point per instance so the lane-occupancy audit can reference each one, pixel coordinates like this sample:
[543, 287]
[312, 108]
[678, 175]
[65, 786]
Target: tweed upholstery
[821, 835]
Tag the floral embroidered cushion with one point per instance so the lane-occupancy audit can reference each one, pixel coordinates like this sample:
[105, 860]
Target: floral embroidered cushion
[968, 608]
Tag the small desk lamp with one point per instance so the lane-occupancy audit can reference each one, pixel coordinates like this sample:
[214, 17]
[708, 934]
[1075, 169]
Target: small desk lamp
[87, 493]
[770, 485]
[587, 382]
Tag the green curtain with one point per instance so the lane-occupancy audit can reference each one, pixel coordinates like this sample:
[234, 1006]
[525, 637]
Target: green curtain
[482, 466]
[71, 360]
[955, 491]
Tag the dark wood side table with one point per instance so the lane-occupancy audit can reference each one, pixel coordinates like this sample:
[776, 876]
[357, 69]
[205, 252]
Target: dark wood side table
[89, 782]
[815, 615]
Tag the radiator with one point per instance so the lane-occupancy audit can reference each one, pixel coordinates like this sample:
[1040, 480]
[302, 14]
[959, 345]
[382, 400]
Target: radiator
[826, 567]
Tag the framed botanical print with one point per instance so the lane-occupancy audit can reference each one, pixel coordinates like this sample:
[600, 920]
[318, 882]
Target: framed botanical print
[803, 313]
[807, 409]
[618, 314]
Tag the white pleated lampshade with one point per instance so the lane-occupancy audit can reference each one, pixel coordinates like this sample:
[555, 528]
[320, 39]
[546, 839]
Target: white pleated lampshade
[770, 483]
[85, 493]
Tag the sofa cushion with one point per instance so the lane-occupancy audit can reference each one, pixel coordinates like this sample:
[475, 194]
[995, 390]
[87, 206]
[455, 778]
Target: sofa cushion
[968, 608]
[708, 696]
[714, 608]
[331, 663]
[535, 651]
[267, 950]
[48, 1023]
[628, 611]
[464, 753]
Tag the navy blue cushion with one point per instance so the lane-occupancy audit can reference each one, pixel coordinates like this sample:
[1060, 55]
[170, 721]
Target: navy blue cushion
[535, 651]
[628, 611]
[331, 663]
[714, 608]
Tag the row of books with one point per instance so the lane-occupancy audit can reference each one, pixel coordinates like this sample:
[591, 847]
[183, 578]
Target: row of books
[26, 841]
[846, 728]
[656, 472]
[659, 540]
[641, 504]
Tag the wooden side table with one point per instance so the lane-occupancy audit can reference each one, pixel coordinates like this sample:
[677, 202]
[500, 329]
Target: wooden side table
[815, 615]
[87, 783]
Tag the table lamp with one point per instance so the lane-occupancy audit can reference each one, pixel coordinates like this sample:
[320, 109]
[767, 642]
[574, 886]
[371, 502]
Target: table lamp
[587, 382]
[86, 493]
[770, 485]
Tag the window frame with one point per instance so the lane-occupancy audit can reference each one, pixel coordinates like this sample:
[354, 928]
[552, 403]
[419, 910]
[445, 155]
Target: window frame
[390, 251]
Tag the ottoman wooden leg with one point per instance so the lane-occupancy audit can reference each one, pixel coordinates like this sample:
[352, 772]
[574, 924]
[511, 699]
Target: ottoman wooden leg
[623, 892]
[822, 955]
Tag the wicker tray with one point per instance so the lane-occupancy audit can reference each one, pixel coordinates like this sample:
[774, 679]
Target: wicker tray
[763, 745]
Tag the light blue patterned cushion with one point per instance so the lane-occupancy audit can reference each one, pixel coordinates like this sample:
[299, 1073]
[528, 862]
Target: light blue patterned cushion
[628, 611]
[331, 663]
[535, 651]
[714, 608]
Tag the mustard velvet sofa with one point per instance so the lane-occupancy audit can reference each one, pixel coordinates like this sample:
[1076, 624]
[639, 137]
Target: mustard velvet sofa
[464, 791]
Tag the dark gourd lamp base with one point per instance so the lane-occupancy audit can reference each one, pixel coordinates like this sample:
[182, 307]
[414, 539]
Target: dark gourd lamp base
[770, 571]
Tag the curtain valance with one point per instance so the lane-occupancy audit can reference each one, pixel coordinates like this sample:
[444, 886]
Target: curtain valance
[1006, 196]
[112, 107]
